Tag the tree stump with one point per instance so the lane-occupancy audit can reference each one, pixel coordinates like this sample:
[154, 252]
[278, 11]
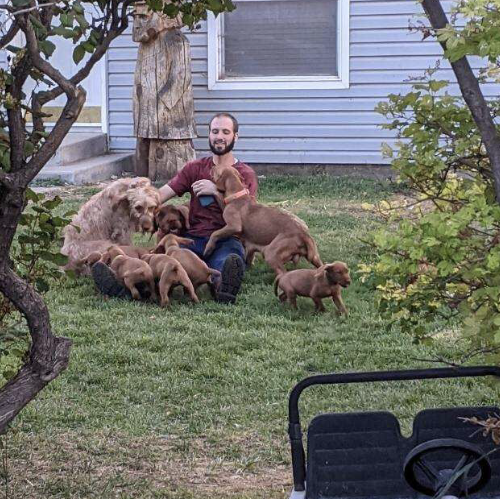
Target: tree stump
[167, 157]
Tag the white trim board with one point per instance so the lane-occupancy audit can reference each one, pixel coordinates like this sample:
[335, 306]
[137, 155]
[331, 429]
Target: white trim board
[215, 55]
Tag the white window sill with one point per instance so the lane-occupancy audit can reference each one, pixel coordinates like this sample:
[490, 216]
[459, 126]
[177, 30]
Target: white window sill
[285, 83]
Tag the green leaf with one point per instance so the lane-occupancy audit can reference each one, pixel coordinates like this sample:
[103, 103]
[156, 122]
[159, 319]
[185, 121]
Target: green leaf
[436, 85]
[6, 160]
[41, 285]
[67, 20]
[216, 5]
[65, 32]
[187, 19]
[78, 54]
[25, 239]
[57, 258]
[31, 195]
[25, 219]
[13, 49]
[80, 19]
[20, 3]
[88, 46]
[29, 149]
[39, 209]
[52, 203]
[77, 7]
[170, 10]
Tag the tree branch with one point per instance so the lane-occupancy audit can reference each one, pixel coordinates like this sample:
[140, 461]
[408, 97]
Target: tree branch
[9, 36]
[118, 26]
[16, 12]
[63, 125]
[471, 92]
[42, 65]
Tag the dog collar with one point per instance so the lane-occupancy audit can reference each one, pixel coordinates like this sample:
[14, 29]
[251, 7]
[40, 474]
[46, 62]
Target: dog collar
[236, 195]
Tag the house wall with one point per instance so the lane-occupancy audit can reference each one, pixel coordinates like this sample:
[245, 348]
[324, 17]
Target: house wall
[300, 126]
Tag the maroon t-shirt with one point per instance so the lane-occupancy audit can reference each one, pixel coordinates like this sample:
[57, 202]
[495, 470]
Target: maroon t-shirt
[206, 219]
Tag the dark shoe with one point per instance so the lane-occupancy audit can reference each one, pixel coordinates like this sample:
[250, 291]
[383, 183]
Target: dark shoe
[232, 276]
[106, 282]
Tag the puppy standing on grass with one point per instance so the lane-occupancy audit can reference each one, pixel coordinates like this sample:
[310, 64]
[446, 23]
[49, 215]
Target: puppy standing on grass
[130, 271]
[198, 271]
[170, 273]
[315, 283]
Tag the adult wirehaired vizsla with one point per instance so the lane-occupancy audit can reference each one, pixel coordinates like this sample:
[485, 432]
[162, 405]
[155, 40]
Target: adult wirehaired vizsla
[276, 234]
[110, 217]
[327, 281]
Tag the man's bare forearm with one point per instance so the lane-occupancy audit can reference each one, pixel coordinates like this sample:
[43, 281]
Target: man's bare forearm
[166, 193]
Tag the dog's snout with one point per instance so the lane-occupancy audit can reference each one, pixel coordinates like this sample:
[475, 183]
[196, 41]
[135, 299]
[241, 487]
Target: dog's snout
[146, 224]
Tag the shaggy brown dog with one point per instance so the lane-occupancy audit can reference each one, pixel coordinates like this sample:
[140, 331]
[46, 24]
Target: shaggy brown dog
[110, 217]
[170, 273]
[171, 219]
[317, 284]
[198, 271]
[272, 232]
[132, 271]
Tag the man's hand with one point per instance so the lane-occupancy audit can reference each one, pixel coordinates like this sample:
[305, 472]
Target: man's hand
[204, 188]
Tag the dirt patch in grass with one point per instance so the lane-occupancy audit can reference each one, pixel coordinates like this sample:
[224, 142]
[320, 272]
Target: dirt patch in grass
[69, 465]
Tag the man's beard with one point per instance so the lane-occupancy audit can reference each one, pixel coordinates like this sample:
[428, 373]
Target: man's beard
[221, 152]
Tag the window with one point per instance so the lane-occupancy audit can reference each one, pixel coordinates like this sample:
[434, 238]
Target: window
[280, 44]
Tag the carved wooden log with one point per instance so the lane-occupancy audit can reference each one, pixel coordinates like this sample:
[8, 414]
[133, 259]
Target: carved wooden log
[167, 157]
[163, 100]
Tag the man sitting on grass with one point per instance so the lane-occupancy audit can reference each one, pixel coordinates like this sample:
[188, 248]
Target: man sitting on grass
[205, 212]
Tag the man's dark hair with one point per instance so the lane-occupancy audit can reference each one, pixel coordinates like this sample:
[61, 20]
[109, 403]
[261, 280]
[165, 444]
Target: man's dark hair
[225, 115]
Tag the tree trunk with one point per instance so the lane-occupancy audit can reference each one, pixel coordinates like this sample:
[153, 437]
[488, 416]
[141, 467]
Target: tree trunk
[49, 355]
[167, 157]
[471, 92]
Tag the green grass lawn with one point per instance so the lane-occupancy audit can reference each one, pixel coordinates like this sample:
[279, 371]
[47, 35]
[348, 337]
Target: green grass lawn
[191, 402]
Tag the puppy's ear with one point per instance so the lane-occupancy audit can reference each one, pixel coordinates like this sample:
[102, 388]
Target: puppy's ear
[184, 211]
[320, 272]
[105, 258]
[159, 249]
[184, 240]
[93, 257]
[119, 200]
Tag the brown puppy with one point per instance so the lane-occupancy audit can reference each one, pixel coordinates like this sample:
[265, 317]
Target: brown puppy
[171, 219]
[131, 271]
[198, 271]
[272, 232]
[114, 250]
[108, 255]
[170, 273]
[317, 284]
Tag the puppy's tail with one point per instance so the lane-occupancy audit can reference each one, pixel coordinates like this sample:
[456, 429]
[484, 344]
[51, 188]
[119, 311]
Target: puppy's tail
[276, 282]
[312, 251]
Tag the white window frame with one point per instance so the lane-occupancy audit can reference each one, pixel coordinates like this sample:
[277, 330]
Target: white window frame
[215, 57]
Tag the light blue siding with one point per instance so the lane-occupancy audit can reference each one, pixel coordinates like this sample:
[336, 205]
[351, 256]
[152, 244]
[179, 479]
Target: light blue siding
[301, 126]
